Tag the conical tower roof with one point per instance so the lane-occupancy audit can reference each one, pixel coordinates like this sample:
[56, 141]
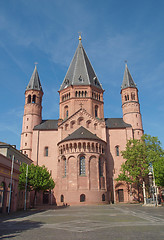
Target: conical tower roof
[34, 83]
[80, 71]
[127, 80]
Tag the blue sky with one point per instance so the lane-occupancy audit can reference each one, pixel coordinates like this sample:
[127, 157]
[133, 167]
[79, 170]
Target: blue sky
[46, 31]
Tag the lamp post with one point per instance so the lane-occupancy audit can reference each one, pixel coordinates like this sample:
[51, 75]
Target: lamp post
[12, 166]
[151, 184]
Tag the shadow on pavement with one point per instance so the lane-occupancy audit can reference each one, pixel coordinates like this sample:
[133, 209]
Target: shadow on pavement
[10, 229]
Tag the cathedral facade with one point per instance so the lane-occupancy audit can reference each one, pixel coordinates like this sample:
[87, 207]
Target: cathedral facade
[81, 149]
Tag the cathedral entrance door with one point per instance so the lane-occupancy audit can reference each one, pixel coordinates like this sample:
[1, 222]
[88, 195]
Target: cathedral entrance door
[121, 195]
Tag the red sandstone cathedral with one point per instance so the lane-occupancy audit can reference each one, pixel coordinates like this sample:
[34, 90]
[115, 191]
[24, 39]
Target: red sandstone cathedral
[81, 149]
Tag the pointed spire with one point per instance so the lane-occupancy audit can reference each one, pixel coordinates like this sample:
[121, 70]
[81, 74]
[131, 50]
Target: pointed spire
[80, 71]
[127, 80]
[34, 83]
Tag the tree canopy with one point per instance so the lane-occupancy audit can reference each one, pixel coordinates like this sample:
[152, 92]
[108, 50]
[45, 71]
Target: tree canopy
[38, 178]
[140, 155]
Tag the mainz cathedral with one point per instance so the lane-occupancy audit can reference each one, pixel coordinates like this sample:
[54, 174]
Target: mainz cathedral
[81, 148]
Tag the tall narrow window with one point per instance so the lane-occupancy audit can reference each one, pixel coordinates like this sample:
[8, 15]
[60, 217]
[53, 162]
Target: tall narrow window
[62, 198]
[117, 151]
[100, 167]
[96, 111]
[29, 99]
[133, 96]
[66, 111]
[33, 98]
[82, 198]
[82, 165]
[46, 151]
[64, 167]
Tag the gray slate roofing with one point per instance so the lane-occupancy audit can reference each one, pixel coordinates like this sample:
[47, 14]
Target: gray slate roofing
[81, 133]
[47, 125]
[116, 123]
[34, 83]
[110, 123]
[127, 80]
[80, 71]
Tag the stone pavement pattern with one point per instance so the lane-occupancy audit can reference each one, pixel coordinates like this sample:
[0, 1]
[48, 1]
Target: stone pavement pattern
[86, 222]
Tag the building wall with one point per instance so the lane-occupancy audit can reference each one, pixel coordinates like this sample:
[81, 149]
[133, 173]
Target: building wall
[5, 177]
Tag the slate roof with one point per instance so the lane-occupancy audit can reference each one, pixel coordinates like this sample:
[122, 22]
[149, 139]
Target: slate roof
[81, 133]
[80, 71]
[110, 123]
[116, 123]
[127, 80]
[47, 125]
[34, 83]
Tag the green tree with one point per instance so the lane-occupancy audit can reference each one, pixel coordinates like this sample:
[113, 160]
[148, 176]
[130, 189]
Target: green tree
[155, 156]
[38, 179]
[139, 155]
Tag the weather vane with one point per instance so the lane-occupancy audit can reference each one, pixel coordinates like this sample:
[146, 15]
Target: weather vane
[35, 63]
[125, 61]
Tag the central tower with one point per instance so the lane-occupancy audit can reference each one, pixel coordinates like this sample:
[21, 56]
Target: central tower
[81, 87]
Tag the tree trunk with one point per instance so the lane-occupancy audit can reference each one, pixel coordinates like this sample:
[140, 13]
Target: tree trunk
[144, 193]
[34, 198]
[138, 188]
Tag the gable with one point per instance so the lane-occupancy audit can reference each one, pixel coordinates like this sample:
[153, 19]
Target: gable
[82, 118]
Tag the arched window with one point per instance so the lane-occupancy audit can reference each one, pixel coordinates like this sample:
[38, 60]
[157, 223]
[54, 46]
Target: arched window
[76, 94]
[72, 124]
[117, 151]
[133, 96]
[33, 98]
[82, 198]
[100, 167]
[62, 198]
[29, 99]
[46, 151]
[82, 93]
[88, 123]
[85, 93]
[96, 111]
[82, 165]
[125, 98]
[66, 111]
[79, 120]
[64, 167]
[128, 97]
[103, 197]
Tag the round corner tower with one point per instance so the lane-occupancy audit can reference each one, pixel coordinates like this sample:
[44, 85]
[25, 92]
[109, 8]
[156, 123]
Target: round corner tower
[130, 104]
[32, 112]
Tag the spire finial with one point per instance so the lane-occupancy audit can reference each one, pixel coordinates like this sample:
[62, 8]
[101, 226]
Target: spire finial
[126, 63]
[36, 63]
[79, 36]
